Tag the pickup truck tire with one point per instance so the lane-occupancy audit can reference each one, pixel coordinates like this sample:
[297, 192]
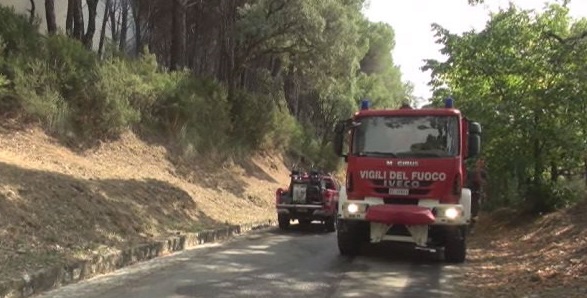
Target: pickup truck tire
[349, 238]
[283, 221]
[455, 249]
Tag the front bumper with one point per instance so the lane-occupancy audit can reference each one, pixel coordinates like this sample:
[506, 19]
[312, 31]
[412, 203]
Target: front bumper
[427, 212]
[417, 219]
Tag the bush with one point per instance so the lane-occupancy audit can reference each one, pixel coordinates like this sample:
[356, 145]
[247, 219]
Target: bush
[550, 196]
[195, 111]
[284, 131]
[18, 35]
[36, 86]
[253, 118]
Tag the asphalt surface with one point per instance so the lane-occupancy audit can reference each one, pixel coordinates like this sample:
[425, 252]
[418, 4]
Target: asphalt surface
[296, 263]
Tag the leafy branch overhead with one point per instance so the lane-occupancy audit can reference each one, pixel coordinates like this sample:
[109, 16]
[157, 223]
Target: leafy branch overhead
[522, 77]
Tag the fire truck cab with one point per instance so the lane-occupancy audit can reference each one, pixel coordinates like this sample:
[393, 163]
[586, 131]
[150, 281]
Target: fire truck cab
[405, 178]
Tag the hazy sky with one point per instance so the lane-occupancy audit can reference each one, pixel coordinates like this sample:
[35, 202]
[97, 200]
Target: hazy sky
[414, 38]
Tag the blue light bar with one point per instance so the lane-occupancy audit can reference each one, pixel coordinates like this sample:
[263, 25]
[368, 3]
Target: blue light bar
[449, 103]
[365, 104]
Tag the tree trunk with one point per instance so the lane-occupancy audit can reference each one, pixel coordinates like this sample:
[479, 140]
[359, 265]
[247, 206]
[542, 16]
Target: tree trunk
[50, 15]
[123, 26]
[78, 20]
[585, 171]
[554, 172]
[69, 19]
[113, 23]
[136, 12]
[92, 10]
[177, 35]
[32, 12]
[103, 29]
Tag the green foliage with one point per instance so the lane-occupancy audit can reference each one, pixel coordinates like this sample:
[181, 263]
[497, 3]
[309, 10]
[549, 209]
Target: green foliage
[254, 115]
[296, 68]
[194, 110]
[521, 78]
[18, 35]
[36, 86]
[332, 53]
[381, 79]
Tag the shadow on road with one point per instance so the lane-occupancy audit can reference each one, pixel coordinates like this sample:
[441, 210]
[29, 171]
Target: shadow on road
[278, 264]
[296, 229]
[304, 262]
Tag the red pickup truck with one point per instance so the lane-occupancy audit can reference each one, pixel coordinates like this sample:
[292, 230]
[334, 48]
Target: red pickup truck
[310, 196]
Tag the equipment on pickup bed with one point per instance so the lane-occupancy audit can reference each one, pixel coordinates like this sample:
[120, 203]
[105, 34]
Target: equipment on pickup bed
[310, 196]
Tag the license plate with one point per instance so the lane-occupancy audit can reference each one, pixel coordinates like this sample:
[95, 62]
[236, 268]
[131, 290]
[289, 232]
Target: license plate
[399, 191]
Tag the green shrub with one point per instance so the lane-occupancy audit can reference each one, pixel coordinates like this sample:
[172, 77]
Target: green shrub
[18, 35]
[253, 117]
[196, 111]
[283, 132]
[4, 82]
[37, 87]
[550, 196]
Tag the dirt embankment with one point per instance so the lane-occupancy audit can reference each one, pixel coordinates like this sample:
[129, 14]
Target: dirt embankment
[511, 255]
[57, 205]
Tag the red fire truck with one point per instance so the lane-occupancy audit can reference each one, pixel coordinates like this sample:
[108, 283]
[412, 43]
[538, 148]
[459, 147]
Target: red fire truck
[404, 178]
[310, 196]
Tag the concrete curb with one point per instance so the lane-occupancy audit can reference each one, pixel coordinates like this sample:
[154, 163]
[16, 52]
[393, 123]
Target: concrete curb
[58, 276]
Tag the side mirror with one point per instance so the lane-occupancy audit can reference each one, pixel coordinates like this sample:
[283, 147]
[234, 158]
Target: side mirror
[474, 145]
[474, 139]
[474, 128]
[339, 131]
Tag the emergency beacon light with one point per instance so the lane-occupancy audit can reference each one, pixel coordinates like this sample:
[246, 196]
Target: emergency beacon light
[449, 103]
[364, 104]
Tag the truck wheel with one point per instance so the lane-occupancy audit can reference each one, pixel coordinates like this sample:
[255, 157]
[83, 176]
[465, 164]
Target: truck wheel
[349, 238]
[475, 204]
[283, 221]
[330, 224]
[455, 249]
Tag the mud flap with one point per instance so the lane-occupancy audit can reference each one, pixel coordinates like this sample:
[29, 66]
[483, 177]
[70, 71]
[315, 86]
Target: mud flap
[419, 233]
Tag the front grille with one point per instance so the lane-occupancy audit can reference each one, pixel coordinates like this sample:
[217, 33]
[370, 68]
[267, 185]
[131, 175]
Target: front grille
[400, 201]
[413, 191]
[380, 183]
[398, 230]
[424, 188]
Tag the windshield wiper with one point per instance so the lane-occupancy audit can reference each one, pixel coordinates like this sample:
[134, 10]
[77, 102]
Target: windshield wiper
[365, 153]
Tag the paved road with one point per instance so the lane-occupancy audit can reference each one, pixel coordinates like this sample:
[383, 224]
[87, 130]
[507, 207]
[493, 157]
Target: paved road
[275, 264]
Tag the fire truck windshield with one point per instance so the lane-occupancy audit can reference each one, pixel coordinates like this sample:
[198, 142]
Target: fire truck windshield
[407, 136]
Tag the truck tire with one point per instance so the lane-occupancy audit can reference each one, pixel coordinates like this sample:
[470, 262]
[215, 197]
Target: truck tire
[455, 249]
[475, 204]
[283, 221]
[349, 238]
[330, 224]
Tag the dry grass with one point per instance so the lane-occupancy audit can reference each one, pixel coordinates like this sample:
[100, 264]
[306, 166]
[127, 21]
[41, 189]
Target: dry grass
[519, 256]
[57, 205]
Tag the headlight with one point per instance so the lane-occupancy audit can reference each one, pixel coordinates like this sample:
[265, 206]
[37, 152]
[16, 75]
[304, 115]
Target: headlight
[352, 208]
[451, 213]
